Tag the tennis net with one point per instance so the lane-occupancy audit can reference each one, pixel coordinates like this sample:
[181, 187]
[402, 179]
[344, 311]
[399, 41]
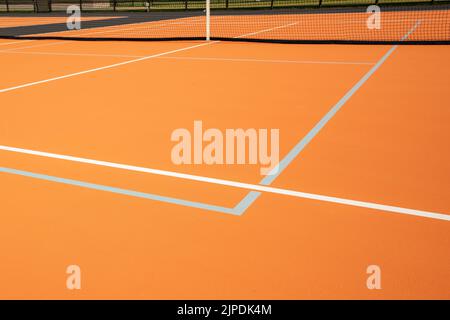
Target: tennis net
[284, 21]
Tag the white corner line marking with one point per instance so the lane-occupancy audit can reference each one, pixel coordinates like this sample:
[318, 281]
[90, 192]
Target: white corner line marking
[235, 184]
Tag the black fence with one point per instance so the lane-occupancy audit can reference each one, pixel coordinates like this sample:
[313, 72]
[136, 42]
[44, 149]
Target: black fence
[155, 5]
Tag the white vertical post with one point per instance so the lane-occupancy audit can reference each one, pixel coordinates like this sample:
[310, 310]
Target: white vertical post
[208, 20]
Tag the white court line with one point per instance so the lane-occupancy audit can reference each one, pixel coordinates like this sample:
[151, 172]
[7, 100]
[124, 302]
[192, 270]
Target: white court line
[103, 68]
[14, 42]
[114, 28]
[261, 188]
[266, 30]
[150, 25]
[81, 34]
[272, 61]
[192, 58]
[129, 61]
[71, 54]
[235, 184]
[46, 44]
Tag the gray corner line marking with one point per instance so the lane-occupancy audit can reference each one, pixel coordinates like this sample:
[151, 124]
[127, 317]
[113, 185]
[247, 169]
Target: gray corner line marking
[234, 211]
[155, 197]
[252, 196]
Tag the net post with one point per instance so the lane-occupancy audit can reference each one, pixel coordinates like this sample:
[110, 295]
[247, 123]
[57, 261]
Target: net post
[7, 5]
[208, 20]
[81, 5]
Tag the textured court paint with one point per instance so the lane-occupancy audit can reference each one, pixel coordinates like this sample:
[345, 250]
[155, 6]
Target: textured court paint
[152, 253]
[251, 197]
[131, 193]
[240, 208]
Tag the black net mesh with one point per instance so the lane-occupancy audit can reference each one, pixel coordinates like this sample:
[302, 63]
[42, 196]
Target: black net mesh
[291, 21]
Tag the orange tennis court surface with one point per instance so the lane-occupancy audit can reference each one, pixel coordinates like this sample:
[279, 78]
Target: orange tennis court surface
[361, 128]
